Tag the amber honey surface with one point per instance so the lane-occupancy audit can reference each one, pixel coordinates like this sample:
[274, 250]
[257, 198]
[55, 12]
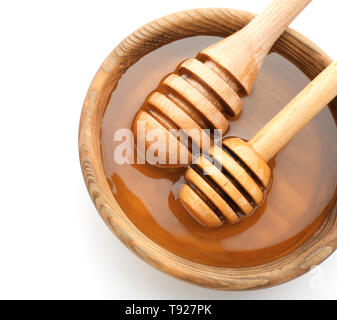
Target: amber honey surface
[304, 172]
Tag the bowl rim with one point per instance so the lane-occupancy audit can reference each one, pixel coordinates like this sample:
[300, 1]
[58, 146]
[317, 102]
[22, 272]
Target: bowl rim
[213, 22]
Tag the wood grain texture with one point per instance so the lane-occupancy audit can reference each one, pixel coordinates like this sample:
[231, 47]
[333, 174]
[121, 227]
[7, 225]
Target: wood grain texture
[218, 22]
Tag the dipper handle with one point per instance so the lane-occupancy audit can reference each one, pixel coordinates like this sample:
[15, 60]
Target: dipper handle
[292, 118]
[241, 55]
[267, 27]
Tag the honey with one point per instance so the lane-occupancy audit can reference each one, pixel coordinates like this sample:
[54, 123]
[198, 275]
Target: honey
[304, 172]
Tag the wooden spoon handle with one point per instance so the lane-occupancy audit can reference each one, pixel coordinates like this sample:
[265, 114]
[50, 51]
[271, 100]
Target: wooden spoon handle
[267, 27]
[292, 118]
[240, 56]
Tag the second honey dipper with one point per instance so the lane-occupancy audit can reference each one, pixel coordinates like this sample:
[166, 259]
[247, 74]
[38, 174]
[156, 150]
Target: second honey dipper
[204, 91]
[230, 181]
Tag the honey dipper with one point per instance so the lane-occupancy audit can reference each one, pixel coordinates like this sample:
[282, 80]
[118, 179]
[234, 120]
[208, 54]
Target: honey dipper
[230, 181]
[204, 91]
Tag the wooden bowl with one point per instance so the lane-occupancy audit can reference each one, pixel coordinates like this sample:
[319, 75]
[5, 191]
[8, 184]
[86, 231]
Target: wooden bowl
[213, 22]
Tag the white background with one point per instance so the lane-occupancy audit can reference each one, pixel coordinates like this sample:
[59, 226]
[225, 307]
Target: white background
[53, 243]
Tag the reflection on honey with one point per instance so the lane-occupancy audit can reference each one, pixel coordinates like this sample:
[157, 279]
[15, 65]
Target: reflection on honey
[304, 172]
